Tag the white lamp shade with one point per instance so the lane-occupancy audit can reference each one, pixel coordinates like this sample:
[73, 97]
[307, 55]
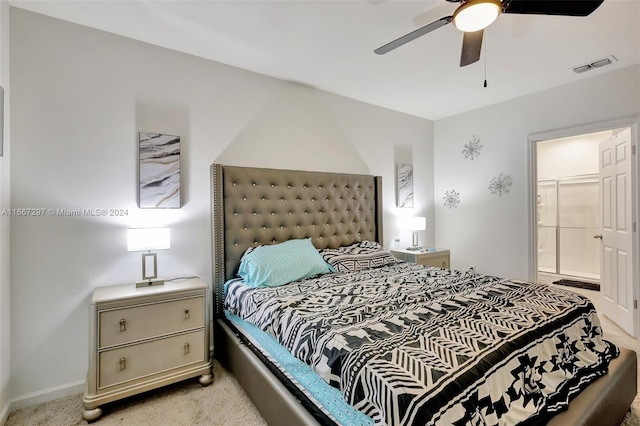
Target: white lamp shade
[144, 239]
[476, 15]
[416, 223]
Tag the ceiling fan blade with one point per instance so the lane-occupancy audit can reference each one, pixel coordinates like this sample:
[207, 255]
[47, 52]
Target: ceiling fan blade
[471, 46]
[558, 7]
[413, 35]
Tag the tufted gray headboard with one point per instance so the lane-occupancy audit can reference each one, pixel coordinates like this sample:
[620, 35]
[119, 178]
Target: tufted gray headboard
[252, 206]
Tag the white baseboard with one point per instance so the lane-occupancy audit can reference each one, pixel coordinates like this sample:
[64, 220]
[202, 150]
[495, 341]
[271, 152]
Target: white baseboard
[4, 414]
[45, 395]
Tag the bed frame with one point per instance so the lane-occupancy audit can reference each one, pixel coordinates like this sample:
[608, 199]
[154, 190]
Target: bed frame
[252, 206]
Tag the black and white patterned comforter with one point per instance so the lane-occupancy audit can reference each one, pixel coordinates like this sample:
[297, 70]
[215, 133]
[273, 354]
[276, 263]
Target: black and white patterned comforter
[414, 345]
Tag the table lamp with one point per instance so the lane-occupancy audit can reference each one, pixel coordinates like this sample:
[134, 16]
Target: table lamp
[415, 224]
[147, 239]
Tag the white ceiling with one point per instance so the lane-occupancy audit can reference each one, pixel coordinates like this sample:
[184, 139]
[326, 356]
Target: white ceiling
[329, 45]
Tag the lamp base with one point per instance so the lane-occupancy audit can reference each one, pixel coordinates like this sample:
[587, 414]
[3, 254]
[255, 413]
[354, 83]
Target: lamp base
[150, 282]
[414, 248]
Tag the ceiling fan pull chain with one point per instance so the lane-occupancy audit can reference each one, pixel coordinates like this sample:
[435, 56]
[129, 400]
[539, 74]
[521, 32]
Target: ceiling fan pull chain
[485, 62]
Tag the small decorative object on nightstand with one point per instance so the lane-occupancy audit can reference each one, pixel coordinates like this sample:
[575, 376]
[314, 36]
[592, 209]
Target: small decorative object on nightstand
[439, 258]
[141, 338]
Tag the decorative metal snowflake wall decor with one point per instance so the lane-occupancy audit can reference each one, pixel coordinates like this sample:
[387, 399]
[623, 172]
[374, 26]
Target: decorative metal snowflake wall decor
[451, 198]
[500, 185]
[472, 148]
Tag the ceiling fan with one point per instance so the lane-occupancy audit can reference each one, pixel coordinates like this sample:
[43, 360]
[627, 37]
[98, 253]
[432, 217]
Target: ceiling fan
[473, 16]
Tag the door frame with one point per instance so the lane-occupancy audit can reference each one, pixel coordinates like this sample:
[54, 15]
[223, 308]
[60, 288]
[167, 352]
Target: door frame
[533, 139]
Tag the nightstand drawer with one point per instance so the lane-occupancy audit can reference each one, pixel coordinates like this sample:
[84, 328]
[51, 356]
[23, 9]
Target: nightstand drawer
[437, 261]
[440, 258]
[135, 323]
[157, 356]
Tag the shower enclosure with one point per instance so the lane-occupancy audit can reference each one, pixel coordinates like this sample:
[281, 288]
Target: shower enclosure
[567, 215]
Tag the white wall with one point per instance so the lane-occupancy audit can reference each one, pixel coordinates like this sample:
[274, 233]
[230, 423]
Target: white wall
[5, 336]
[80, 96]
[490, 231]
[570, 156]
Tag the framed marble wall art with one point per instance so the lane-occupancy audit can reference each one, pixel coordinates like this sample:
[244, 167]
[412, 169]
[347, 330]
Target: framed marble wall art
[404, 190]
[159, 171]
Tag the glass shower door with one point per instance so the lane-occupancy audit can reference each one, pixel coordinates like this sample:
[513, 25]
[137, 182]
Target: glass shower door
[567, 210]
[547, 212]
[579, 253]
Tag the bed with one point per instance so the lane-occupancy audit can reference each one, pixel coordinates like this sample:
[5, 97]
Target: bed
[252, 207]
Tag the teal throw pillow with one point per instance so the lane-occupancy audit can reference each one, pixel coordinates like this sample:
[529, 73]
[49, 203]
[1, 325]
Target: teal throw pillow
[278, 264]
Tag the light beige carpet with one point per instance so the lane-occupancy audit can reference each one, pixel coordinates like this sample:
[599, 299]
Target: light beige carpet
[183, 404]
[221, 403]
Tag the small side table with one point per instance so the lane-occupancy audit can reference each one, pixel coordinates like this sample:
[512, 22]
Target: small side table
[142, 338]
[440, 258]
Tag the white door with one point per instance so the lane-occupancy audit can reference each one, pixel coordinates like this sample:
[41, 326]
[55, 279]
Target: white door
[616, 217]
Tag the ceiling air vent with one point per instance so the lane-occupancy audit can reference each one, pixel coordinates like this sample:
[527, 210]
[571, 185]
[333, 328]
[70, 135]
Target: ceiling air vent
[594, 64]
[582, 68]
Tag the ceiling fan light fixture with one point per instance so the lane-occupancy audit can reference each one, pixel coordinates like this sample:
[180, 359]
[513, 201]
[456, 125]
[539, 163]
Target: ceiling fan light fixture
[476, 15]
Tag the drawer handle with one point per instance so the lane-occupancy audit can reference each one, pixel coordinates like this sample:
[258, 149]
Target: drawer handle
[123, 363]
[187, 315]
[123, 324]
[186, 348]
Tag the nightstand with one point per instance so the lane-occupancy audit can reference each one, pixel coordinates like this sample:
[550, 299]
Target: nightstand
[439, 258]
[144, 338]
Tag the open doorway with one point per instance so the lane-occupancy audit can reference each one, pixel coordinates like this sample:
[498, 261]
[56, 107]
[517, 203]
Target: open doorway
[584, 213]
[567, 210]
